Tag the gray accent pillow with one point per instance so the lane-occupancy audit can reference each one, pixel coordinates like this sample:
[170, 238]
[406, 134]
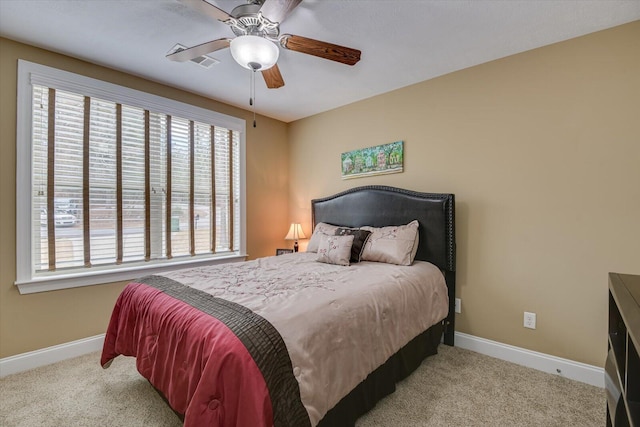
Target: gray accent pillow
[360, 237]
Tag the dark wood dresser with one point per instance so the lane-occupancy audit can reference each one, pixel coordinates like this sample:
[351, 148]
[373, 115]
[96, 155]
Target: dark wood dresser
[622, 369]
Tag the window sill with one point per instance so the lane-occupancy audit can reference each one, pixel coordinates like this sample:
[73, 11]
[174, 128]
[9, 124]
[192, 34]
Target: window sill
[97, 277]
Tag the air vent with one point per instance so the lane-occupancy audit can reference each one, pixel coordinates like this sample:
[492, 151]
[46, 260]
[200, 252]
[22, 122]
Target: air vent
[205, 61]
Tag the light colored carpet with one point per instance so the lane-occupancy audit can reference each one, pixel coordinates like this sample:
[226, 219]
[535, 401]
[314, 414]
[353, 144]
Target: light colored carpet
[457, 387]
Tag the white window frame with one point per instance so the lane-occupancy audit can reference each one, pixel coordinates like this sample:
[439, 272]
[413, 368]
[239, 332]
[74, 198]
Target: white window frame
[29, 74]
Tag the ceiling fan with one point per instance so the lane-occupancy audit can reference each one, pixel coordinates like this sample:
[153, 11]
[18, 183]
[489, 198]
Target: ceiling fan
[257, 29]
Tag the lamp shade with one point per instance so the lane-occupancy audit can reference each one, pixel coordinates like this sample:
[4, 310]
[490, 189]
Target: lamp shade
[254, 52]
[295, 232]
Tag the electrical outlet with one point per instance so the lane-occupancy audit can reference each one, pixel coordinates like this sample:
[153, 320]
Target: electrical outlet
[458, 305]
[529, 320]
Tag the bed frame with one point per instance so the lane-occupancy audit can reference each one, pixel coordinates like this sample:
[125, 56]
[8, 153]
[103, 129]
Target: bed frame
[380, 206]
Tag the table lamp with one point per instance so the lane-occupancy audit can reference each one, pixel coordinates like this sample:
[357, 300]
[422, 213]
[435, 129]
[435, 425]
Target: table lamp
[295, 233]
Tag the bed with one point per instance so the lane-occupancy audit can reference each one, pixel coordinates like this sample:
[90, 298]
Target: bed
[288, 340]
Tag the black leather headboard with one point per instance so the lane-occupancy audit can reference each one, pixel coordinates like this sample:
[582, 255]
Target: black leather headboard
[378, 206]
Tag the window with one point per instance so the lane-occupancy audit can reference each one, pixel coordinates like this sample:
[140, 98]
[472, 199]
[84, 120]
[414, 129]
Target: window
[115, 183]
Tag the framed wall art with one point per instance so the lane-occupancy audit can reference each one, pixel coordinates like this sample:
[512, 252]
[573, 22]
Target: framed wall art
[284, 251]
[378, 160]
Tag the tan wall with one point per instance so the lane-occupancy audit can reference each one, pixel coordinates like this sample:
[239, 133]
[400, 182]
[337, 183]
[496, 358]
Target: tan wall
[542, 150]
[30, 322]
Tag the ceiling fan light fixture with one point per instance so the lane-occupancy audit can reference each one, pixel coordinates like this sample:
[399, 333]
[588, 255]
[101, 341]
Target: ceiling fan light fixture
[254, 52]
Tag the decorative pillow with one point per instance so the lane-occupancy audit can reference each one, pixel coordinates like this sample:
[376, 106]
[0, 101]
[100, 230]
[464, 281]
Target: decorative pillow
[359, 239]
[322, 229]
[335, 249]
[393, 244]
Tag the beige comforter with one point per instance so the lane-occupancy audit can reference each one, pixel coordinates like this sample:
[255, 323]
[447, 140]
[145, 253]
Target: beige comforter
[338, 323]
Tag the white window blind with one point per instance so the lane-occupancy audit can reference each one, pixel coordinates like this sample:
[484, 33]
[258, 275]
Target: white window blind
[117, 186]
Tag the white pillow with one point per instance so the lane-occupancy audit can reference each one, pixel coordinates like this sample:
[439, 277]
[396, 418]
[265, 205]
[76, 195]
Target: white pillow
[396, 244]
[322, 229]
[335, 249]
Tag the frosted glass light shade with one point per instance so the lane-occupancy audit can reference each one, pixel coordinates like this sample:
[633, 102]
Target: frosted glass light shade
[254, 52]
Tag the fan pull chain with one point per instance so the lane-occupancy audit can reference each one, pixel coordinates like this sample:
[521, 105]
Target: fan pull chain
[251, 87]
[252, 96]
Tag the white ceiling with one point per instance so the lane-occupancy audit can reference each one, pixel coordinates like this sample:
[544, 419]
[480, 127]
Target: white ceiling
[402, 42]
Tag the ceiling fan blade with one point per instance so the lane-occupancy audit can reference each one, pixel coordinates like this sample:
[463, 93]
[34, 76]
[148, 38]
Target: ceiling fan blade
[199, 50]
[325, 50]
[207, 8]
[273, 78]
[277, 10]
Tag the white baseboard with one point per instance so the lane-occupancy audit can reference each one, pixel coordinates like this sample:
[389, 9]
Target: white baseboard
[543, 362]
[34, 359]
